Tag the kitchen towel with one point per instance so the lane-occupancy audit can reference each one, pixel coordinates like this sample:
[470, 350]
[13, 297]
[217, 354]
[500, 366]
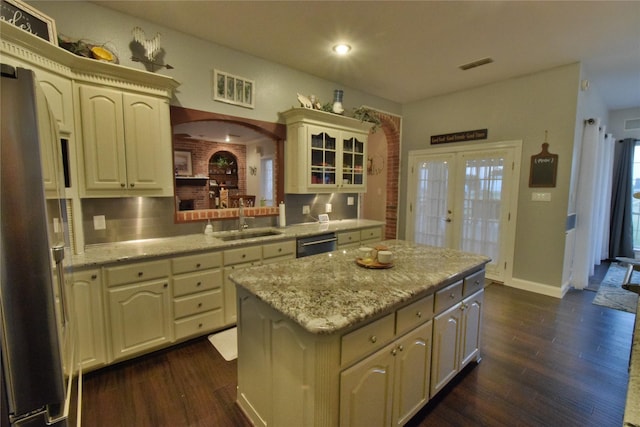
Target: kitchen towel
[226, 342]
[282, 218]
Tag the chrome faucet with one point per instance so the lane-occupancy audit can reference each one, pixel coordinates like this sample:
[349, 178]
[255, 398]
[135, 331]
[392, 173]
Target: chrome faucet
[242, 224]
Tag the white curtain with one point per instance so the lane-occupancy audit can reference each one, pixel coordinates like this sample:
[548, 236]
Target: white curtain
[593, 201]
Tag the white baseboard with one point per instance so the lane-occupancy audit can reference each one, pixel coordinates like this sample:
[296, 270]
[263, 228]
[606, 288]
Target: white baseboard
[538, 288]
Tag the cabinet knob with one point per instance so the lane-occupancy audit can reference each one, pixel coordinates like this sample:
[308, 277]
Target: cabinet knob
[401, 347]
[94, 276]
[419, 314]
[199, 283]
[166, 285]
[198, 265]
[373, 338]
[199, 305]
[132, 185]
[452, 296]
[140, 273]
[244, 255]
[279, 249]
[122, 184]
[394, 351]
[199, 325]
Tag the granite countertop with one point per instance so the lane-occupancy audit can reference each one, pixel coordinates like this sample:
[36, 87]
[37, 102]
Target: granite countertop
[329, 292]
[97, 255]
[632, 409]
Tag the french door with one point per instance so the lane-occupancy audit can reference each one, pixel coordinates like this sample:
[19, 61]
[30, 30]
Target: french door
[466, 200]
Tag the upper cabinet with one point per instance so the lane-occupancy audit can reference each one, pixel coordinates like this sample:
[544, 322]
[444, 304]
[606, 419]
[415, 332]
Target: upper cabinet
[324, 152]
[125, 143]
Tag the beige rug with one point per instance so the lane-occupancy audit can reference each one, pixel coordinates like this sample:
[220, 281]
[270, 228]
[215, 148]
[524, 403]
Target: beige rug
[610, 294]
[226, 342]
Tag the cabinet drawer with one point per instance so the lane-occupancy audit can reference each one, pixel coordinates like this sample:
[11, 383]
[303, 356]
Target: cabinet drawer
[348, 238]
[197, 303]
[136, 272]
[448, 296]
[367, 339]
[371, 234]
[242, 255]
[198, 324]
[196, 282]
[414, 314]
[473, 283]
[279, 249]
[198, 262]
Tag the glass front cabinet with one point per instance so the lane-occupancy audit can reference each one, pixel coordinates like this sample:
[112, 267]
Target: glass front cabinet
[324, 152]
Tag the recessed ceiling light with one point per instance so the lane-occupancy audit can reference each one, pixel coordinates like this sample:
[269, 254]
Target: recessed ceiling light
[342, 49]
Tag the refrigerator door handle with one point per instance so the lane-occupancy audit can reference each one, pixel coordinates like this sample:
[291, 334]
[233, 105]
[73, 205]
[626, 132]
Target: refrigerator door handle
[58, 257]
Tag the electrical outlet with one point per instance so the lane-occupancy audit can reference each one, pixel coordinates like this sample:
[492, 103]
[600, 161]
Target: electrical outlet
[350, 201]
[327, 207]
[305, 209]
[99, 222]
[540, 197]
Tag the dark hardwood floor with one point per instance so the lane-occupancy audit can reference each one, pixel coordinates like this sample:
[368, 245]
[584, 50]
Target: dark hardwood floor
[546, 362]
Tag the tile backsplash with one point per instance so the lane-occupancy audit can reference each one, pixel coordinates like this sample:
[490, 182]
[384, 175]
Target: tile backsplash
[134, 218]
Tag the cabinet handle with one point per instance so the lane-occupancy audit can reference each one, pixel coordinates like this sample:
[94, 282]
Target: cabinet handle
[94, 276]
[373, 338]
[199, 305]
[132, 185]
[419, 314]
[199, 283]
[198, 265]
[166, 285]
[140, 273]
[452, 296]
[477, 282]
[279, 249]
[199, 325]
[122, 184]
[244, 255]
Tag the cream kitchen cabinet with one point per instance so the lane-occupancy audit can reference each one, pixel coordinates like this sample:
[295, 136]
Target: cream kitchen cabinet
[324, 152]
[140, 314]
[87, 304]
[125, 143]
[234, 260]
[456, 337]
[353, 239]
[390, 386]
[197, 294]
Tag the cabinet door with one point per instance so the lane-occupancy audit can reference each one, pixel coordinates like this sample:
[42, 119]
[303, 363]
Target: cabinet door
[323, 157]
[366, 391]
[87, 303]
[140, 317]
[413, 373]
[230, 310]
[57, 89]
[472, 327]
[352, 165]
[103, 138]
[447, 328]
[147, 144]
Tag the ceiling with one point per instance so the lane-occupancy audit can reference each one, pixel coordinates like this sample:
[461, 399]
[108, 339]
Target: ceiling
[406, 51]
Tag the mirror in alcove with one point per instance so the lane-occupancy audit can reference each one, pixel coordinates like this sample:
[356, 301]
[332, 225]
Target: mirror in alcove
[220, 159]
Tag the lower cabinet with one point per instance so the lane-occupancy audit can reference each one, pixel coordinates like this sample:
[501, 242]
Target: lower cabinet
[140, 317]
[235, 259]
[87, 304]
[390, 386]
[456, 339]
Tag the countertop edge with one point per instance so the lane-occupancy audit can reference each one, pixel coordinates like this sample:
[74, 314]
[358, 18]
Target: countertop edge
[632, 407]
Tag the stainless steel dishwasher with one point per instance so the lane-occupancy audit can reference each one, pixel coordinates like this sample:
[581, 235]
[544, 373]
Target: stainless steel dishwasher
[318, 244]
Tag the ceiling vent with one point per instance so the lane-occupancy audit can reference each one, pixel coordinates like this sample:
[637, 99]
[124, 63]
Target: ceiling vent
[632, 124]
[476, 63]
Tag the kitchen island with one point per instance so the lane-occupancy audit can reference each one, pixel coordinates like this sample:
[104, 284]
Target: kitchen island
[325, 342]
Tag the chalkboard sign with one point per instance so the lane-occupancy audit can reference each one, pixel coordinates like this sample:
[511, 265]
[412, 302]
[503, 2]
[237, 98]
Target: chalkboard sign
[544, 168]
[29, 19]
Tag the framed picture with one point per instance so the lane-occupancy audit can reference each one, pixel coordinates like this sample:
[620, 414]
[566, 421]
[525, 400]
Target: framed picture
[233, 89]
[29, 19]
[182, 163]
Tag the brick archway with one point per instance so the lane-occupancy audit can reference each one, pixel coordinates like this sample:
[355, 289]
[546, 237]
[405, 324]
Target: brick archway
[391, 125]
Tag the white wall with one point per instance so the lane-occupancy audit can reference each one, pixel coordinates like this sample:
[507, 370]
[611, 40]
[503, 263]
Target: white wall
[194, 59]
[516, 109]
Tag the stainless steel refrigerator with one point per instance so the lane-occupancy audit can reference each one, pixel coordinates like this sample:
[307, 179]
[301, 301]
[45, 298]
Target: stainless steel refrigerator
[36, 334]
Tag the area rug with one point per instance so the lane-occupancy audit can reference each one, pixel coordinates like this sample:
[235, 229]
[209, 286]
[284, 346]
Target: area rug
[226, 342]
[611, 293]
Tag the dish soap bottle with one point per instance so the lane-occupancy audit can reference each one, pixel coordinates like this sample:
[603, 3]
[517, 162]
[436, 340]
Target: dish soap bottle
[208, 230]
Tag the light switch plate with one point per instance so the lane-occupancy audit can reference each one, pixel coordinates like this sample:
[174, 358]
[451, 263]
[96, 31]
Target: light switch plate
[540, 197]
[350, 201]
[327, 207]
[99, 222]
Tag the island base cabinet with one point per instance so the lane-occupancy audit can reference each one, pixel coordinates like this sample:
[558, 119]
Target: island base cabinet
[390, 386]
[286, 376]
[456, 339]
[140, 318]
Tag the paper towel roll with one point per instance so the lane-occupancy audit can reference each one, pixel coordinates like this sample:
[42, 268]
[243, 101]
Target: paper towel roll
[282, 218]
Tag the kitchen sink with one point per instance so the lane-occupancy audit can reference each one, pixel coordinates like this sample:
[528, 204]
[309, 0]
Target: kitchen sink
[241, 235]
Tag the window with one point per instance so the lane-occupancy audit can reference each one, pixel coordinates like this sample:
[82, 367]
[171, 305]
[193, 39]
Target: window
[266, 181]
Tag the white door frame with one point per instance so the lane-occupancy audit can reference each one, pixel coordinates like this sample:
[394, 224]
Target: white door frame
[509, 228]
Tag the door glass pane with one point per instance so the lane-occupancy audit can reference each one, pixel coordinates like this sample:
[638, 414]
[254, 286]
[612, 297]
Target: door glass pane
[431, 203]
[482, 206]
